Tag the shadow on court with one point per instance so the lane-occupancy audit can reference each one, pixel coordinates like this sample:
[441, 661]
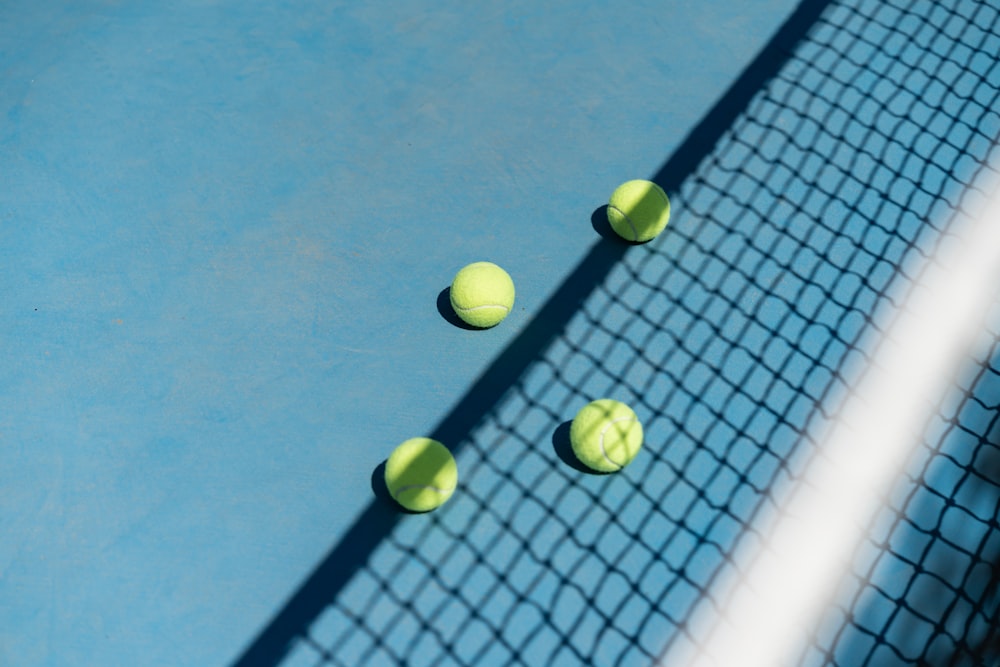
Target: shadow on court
[799, 202]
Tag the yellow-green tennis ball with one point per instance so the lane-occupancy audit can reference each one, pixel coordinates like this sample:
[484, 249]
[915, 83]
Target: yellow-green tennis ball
[606, 435]
[421, 474]
[482, 294]
[638, 210]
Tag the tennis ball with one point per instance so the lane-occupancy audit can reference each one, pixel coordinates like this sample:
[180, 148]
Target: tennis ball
[482, 294]
[606, 435]
[638, 210]
[421, 474]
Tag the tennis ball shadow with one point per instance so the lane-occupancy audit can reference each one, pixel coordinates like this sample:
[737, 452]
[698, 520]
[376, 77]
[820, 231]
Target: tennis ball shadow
[564, 450]
[380, 490]
[599, 221]
[448, 313]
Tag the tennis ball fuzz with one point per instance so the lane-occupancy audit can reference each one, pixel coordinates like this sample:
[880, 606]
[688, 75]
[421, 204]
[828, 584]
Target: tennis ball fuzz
[638, 210]
[606, 435]
[421, 474]
[482, 294]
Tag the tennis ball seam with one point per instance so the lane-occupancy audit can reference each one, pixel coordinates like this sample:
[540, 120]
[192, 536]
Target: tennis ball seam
[659, 190]
[485, 305]
[635, 232]
[604, 430]
[423, 487]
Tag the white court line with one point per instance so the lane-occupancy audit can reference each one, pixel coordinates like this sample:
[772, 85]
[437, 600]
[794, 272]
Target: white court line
[788, 583]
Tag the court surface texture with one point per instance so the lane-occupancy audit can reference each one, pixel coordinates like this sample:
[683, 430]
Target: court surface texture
[227, 231]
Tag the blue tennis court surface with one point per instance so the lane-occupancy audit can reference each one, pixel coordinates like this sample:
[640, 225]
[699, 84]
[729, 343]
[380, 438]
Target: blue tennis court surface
[225, 234]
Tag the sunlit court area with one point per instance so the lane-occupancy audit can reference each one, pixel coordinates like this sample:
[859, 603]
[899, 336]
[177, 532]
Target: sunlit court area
[616, 334]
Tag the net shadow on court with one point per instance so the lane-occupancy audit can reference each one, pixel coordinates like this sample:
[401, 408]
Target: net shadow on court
[803, 201]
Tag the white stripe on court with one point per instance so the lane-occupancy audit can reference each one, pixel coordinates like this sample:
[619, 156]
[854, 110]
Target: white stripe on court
[761, 616]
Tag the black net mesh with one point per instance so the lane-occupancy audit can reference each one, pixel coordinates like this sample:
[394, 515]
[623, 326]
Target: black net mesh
[734, 336]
